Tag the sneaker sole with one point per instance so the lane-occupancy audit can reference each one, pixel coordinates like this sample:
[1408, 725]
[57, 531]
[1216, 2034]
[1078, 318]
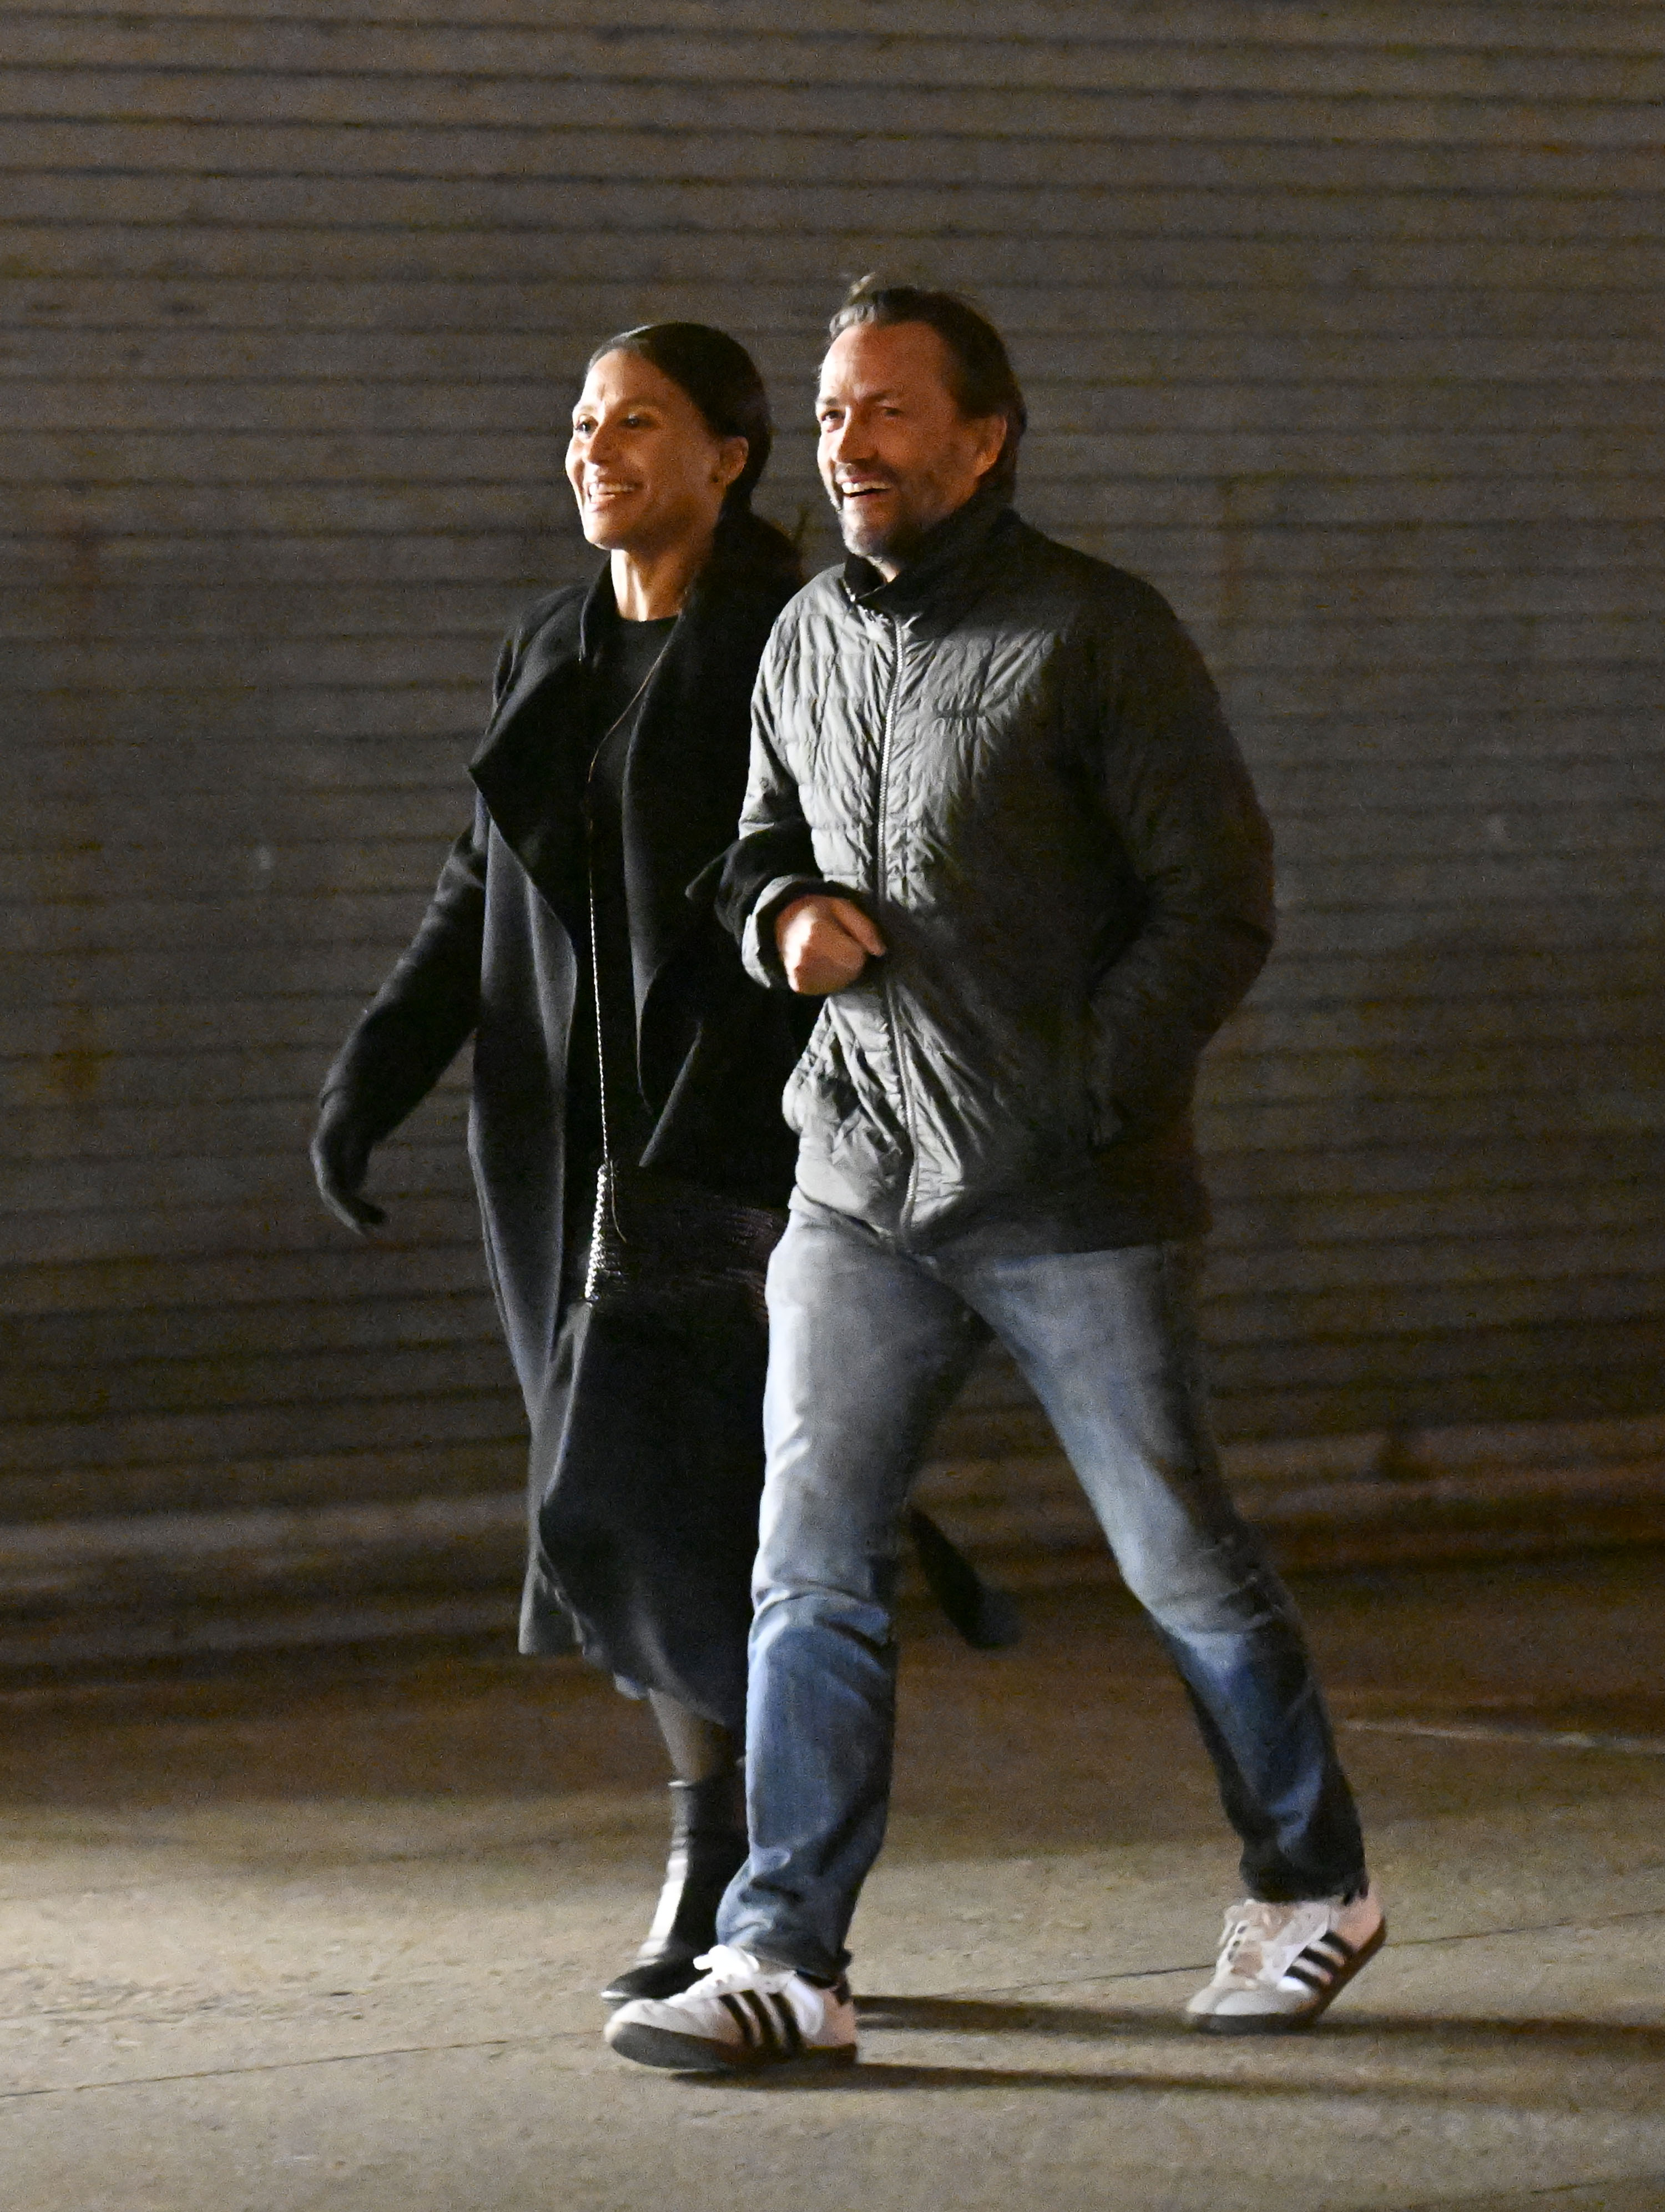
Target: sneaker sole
[1289, 2023]
[693, 2054]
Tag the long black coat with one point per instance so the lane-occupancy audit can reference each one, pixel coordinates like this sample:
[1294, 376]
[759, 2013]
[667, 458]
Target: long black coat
[652, 1565]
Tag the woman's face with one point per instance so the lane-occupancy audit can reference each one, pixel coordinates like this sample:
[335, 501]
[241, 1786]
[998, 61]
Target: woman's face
[644, 466]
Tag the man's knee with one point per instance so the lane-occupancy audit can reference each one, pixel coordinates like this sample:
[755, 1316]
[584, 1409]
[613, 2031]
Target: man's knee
[1206, 1586]
[790, 1611]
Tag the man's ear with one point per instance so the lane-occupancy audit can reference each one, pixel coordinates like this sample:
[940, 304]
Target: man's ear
[992, 442]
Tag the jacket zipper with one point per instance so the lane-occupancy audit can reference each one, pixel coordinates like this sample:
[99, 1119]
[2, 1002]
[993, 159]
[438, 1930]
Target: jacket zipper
[886, 992]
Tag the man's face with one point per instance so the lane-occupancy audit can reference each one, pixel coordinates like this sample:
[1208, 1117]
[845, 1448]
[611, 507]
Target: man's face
[895, 454]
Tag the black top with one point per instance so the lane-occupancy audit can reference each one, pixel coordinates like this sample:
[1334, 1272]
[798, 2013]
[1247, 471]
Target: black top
[619, 675]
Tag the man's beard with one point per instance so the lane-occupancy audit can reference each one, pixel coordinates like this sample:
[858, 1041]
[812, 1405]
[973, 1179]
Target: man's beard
[871, 542]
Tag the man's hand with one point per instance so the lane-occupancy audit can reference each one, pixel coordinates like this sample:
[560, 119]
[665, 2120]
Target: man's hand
[824, 942]
[341, 1159]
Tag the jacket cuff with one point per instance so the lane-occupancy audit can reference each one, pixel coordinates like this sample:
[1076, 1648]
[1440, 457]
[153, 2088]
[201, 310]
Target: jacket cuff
[757, 947]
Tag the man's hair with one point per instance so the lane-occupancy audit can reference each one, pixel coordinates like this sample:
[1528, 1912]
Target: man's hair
[981, 377]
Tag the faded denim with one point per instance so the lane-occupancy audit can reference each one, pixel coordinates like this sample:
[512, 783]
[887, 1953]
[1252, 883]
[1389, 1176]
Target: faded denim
[867, 1345]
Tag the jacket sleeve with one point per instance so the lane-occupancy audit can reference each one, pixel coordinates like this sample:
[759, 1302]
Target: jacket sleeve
[772, 861]
[427, 1009]
[1179, 797]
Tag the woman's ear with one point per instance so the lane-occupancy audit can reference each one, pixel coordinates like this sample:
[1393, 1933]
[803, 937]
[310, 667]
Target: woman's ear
[731, 461]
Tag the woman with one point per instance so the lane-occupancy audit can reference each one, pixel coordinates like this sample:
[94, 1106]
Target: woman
[608, 781]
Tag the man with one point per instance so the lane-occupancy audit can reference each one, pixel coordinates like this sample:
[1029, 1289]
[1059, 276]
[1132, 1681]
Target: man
[995, 817]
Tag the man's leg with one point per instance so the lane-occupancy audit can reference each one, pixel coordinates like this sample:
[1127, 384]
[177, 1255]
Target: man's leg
[865, 1350]
[1107, 1340]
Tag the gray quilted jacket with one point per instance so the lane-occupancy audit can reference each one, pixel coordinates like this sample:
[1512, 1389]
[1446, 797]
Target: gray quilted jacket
[1013, 758]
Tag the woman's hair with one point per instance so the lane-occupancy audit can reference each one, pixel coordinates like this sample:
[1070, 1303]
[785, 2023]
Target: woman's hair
[984, 381]
[721, 379]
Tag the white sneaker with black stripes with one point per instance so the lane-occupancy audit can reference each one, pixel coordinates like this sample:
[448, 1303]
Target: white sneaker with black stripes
[1281, 1964]
[744, 2013]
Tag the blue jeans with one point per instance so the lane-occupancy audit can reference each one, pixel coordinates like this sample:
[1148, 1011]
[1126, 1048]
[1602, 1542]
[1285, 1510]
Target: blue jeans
[866, 1346]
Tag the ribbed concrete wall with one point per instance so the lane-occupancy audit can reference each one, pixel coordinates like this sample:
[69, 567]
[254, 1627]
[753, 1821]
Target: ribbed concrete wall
[1341, 323]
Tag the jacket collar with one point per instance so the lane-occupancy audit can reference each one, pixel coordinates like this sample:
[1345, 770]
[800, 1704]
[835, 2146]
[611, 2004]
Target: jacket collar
[943, 551]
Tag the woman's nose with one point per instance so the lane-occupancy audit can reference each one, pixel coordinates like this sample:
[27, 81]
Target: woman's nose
[599, 443]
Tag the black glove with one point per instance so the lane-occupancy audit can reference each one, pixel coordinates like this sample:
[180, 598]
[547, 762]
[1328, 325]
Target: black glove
[341, 1159]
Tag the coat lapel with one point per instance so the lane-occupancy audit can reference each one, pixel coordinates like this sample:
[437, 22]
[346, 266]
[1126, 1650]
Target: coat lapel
[684, 778]
[530, 765]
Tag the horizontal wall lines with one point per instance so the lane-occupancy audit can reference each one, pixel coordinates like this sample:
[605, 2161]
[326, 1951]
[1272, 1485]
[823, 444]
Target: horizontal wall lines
[1408, 548]
[1124, 54]
[107, 102]
[1250, 460]
[181, 254]
[334, 360]
[1338, 637]
[346, 1268]
[473, 617]
[287, 1325]
[528, 201]
[1377, 1098]
[1107, 403]
[1343, 325]
[272, 843]
[1116, 505]
[1536, 27]
[306, 994]
[1380, 1075]
[1354, 903]
[106, 63]
[740, 157]
[1042, 305]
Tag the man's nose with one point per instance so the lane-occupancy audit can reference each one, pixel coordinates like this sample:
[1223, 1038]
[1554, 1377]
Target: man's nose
[848, 440]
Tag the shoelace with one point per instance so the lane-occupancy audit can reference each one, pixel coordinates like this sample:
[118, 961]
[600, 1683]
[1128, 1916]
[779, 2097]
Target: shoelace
[1248, 1929]
[1241, 1936]
[727, 1967]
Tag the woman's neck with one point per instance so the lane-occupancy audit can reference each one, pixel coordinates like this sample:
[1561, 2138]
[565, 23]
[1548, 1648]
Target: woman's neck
[649, 586]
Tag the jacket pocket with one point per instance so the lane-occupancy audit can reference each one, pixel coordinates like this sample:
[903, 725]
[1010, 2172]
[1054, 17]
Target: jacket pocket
[820, 1101]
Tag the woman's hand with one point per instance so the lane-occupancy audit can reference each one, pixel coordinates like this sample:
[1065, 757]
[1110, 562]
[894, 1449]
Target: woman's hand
[341, 1159]
[824, 942]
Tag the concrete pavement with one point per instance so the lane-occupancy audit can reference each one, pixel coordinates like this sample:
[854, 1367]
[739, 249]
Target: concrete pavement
[319, 1937]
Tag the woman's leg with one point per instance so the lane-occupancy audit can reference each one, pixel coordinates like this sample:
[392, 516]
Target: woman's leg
[698, 1749]
[708, 1847]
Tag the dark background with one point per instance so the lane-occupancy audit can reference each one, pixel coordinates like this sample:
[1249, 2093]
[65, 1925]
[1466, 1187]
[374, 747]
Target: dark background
[1342, 323]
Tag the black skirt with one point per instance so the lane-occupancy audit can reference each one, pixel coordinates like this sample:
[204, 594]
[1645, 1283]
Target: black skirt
[646, 1471]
